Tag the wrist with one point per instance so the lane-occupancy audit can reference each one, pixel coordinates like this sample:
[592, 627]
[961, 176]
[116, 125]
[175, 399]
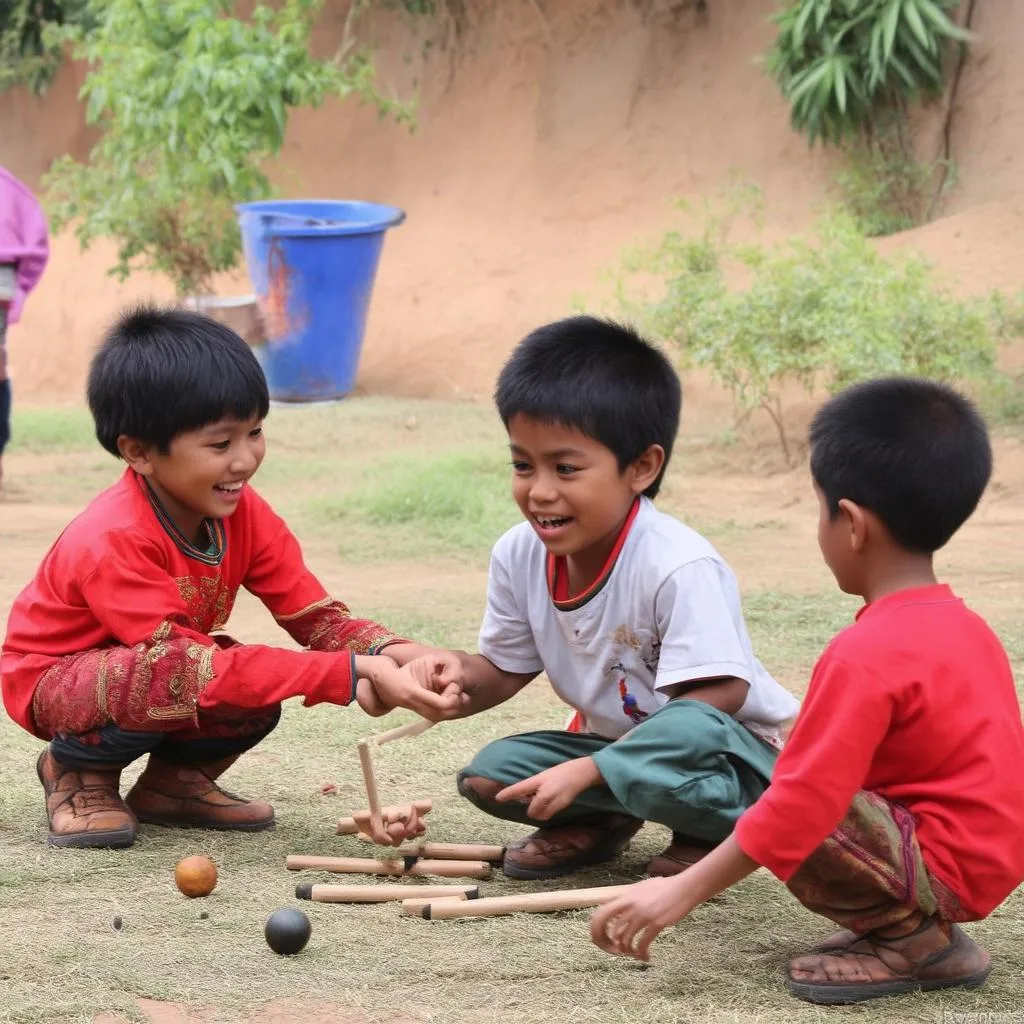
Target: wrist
[368, 666]
[589, 773]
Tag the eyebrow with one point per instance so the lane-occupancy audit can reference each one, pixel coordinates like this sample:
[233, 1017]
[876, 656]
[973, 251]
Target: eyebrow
[560, 453]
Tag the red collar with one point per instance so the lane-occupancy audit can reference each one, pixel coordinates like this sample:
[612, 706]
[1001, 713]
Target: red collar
[558, 571]
[936, 593]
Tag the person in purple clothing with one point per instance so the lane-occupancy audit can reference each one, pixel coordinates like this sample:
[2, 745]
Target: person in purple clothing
[24, 250]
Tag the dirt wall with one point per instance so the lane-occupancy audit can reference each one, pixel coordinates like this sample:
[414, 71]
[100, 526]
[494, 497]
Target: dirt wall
[549, 136]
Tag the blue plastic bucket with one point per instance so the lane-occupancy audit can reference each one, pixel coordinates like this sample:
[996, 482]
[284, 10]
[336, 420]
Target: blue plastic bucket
[312, 266]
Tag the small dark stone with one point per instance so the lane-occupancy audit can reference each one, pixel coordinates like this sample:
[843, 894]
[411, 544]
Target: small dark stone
[117, 923]
[203, 916]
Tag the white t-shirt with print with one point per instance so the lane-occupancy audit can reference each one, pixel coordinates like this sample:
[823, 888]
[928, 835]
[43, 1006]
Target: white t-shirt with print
[669, 612]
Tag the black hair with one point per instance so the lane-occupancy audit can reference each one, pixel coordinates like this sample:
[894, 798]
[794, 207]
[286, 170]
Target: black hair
[914, 452]
[163, 372]
[599, 377]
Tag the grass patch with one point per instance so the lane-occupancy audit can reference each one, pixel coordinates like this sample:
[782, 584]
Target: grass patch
[455, 503]
[57, 429]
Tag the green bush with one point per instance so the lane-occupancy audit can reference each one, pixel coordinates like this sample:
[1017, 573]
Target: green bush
[821, 312]
[886, 192]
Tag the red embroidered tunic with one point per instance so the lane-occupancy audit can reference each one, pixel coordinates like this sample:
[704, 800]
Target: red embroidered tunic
[118, 576]
[916, 703]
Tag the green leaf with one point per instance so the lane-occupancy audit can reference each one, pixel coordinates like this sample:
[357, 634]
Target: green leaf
[890, 22]
[840, 86]
[800, 24]
[942, 23]
[922, 35]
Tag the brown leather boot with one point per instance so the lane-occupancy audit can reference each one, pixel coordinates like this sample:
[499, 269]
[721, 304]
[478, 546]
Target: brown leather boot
[84, 807]
[186, 796]
[561, 849]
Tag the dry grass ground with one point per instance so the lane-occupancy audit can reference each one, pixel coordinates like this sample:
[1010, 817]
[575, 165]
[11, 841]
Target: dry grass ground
[396, 504]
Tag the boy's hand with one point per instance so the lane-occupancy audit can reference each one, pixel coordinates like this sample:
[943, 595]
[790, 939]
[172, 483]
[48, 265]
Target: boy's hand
[441, 672]
[553, 790]
[395, 687]
[394, 831]
[628, 925]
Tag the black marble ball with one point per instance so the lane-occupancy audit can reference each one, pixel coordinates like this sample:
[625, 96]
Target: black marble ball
[287, 931]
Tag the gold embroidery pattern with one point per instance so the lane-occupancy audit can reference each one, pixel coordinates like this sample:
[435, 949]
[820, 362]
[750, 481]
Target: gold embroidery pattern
[328, 625]
[324, 602]
[135, 687]
[208, 602]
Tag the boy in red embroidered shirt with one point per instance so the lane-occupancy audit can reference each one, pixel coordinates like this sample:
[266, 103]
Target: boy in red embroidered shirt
[110, 652]
[896, 807]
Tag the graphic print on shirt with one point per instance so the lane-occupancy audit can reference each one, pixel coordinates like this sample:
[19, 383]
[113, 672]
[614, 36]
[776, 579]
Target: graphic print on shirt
[633, 659]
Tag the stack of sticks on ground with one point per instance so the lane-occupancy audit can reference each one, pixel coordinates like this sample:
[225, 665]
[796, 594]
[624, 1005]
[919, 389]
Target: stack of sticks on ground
[438, 902]
[418, 860]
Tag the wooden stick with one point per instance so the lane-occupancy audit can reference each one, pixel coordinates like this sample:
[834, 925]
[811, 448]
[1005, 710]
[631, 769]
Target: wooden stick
[383, 893]
[413, 907]
[396, 812]
[409, 866]
[366, 761]
[412, 729]
[453, 851]
[525, 903]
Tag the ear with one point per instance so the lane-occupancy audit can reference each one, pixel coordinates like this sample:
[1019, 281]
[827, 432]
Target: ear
[856, 521]
[644, 469]
[136, 453]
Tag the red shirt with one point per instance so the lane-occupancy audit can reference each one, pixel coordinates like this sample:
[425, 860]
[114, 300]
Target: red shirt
[916, 703]
[118, 576]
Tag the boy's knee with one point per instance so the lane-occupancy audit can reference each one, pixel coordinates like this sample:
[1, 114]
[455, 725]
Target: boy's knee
[478, 790]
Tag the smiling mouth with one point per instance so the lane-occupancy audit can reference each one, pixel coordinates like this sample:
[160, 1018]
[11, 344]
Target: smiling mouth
[552, 522]
[229, 488]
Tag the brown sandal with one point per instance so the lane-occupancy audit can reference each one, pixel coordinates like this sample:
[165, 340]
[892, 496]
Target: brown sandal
[562, 849]
[888, 967]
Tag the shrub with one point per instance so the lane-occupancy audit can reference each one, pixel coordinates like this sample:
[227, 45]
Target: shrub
[821, 312]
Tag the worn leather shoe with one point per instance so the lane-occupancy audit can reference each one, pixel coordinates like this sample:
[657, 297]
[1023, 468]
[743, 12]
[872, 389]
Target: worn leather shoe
[562, 849]
[186, 796]
[84, 807]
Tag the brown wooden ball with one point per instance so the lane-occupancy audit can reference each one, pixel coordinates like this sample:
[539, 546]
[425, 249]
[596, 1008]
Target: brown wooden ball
[196, 876]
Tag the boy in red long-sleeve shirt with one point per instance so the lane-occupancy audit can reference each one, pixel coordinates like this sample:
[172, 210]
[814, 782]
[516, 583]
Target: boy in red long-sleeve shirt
[896, 807]
[110, 651]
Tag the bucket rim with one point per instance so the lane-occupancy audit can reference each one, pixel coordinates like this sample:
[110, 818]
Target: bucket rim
[381, 217]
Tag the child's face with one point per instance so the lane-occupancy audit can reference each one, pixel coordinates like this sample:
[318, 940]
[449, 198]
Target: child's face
[570, 488]
[205, 471]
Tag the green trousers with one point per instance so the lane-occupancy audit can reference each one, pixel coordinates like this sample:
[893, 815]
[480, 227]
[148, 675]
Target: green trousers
[688, 766]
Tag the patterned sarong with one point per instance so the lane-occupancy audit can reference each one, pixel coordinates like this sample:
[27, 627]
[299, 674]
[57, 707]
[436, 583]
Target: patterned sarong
[869, 873]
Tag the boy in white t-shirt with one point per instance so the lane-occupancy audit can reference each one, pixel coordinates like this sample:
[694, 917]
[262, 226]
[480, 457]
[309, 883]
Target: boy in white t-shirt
[633, 616]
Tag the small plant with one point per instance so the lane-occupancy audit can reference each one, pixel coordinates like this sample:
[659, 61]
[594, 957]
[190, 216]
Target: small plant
[192, 102]
[886, 192]
[846, 65]
[850, 70]
[820, 313]
[28, 53]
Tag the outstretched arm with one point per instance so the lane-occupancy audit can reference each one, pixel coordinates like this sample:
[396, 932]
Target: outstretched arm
[628, 925]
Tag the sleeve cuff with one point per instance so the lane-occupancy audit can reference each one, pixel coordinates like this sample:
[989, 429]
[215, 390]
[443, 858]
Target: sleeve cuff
[668, 677]
[337, 685]
[507, 663]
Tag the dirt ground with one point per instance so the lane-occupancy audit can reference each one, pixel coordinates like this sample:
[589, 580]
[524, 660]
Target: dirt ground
[763, 520]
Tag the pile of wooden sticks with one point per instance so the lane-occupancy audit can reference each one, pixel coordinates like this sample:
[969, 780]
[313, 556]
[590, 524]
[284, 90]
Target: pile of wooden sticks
[438, 902]
[423, 859]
